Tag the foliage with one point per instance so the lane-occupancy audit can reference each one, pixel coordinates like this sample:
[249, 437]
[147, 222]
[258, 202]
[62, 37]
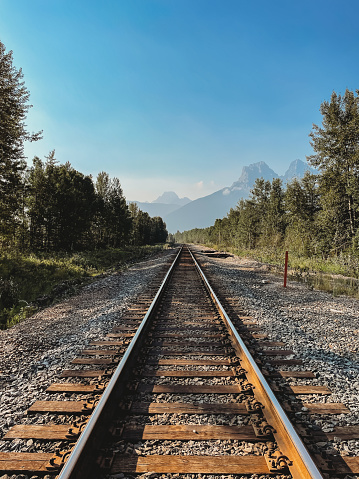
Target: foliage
[60, 205]
[113, 221]
[146, 230]
[315, 218]
[14, 106]
[50, 210]
[38, 279]
[336, 147]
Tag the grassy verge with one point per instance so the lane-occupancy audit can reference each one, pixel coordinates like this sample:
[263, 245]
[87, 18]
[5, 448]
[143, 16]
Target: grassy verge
[337, 274]
[28, 282]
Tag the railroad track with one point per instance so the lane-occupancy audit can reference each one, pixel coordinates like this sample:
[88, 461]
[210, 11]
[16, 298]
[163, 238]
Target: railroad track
[175, 390]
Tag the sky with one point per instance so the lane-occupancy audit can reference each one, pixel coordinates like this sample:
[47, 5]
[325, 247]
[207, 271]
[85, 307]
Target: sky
[179, 95]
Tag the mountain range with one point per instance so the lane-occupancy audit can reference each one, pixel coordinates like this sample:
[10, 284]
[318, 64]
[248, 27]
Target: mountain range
[183, 214]
[163, 205]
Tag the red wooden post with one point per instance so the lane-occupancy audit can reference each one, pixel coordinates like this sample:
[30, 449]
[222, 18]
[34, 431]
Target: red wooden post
[285, 269]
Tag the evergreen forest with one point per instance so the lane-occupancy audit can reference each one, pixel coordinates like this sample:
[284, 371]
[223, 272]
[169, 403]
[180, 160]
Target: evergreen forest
[314, 218]
[56, 223]
[50, 211]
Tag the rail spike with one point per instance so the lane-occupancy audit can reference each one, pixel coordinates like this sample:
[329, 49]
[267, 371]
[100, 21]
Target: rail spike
[58, 459]
[262, 428]
[277, 462]
[253, 406]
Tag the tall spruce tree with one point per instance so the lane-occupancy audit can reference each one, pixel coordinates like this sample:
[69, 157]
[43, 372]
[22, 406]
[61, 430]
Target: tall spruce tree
[336, 147]
[113, 221]
[61, 205]
[14, 106]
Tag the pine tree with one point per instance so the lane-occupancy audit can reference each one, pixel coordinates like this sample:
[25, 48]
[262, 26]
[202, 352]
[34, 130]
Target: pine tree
[336, 146]
[302, 207]
[14, 106]
[61, 205]
[113, 221]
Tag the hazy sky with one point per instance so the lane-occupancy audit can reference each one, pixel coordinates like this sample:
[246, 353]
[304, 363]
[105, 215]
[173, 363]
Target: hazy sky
[179, 94]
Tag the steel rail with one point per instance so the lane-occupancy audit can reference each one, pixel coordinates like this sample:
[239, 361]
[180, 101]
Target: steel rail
[290, 444]
[69, 467]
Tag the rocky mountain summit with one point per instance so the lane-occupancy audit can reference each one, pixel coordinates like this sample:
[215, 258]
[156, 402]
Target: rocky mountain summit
[204, 211]
[183, 214]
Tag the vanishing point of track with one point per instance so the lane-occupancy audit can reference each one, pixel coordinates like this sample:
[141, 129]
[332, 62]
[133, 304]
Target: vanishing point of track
[182, 355]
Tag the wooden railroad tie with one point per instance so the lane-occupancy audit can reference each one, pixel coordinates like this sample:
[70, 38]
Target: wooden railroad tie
[187, 408]
[24, 461]
[188, 433]
[61, 407]
[75, 388]
[189, 464]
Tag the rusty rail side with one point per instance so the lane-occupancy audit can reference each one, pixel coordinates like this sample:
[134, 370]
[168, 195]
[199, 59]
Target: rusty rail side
[291, 446]
[75, 467]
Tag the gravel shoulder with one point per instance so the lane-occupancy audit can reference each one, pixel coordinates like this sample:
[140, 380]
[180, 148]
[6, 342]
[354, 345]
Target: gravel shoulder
[34, 352]
[321, 329]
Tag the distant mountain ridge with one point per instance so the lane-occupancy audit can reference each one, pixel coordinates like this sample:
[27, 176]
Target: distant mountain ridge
[165, 204]
[204, 211]
[170, 198]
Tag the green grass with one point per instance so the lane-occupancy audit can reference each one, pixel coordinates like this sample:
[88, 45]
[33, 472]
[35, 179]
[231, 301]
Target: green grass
[337, 274]
[42, 278]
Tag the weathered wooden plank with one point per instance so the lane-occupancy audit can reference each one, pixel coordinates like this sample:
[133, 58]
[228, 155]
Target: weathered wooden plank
[296, 374]
[196, 327]
[309, 389]
[101, 352]
[284, 362]
[188, 433]
[179, 324]
[186, 344]
[25, 456]
[120, 335]
[277, 352]
[189, 464]
[326, 408]
[270, 344]
[95, 361]
[74, 373]
[61, 407]
[189, 362]
[201, 317]
[130, 322]
[346, 465]
[117, 329]
[56, 432]
[74, 388]
[182, 352]
[188, 374]
[108, 343]
[260, 335]
[24, 461]
[133, 318]
[188, 389]
[188, 408]
[187, 334]
[343, 432]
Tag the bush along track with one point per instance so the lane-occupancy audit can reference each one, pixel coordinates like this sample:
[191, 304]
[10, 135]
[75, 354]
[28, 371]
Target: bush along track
[30, 282]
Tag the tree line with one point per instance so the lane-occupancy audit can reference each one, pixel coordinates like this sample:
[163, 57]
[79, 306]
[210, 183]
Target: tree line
[315, 215]
[51, 206]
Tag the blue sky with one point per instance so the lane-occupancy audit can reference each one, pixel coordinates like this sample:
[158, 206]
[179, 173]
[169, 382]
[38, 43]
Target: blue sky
[179, 94]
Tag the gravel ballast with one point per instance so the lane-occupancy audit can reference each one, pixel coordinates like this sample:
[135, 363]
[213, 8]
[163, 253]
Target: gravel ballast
[35, 351]
[322, 330]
